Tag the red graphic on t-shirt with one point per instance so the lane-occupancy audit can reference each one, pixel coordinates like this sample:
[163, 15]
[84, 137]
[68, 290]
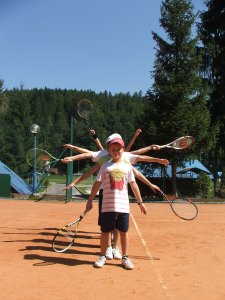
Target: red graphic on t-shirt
[116, 179]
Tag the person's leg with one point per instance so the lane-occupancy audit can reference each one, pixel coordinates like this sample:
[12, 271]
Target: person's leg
[115, 244]
[103, 246]
[122, 223]
[124, 242]
[107, 225]
[104, 242]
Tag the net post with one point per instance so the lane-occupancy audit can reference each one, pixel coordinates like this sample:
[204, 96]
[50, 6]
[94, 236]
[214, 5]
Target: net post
[69, 169]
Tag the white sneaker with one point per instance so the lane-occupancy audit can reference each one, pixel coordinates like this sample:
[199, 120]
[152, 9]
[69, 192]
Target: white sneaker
[127, 263]
[109, 254]
[116, 253]
[100, 262]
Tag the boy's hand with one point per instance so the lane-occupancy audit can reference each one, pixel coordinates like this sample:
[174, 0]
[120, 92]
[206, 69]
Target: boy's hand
[69, 146]
[89, 204]
[69, 186]
[138, 131]
[164, 162]
[143, 208]
[155, 147]
[66, 160]
[155, 188]
[92, 132]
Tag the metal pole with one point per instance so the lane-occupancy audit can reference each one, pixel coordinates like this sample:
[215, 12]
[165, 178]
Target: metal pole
[69, 171]
[35, 167]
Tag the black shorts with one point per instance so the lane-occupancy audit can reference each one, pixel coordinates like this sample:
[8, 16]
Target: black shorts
[112, 220]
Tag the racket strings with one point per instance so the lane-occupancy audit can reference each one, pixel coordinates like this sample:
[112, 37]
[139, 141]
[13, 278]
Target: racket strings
[85, 108]
[65, 238]
[184, 208]
[183, 142]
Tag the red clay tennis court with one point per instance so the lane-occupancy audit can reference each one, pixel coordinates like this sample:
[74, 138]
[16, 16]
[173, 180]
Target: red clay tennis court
[173, 259]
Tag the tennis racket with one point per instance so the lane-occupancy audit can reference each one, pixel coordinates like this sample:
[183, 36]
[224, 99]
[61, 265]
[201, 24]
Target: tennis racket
[180, 143]
[65, 237]
[44, 160]
[85, 110]
[182, 207]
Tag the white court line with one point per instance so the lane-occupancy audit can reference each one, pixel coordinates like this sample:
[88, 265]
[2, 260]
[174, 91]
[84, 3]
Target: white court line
[159, 275]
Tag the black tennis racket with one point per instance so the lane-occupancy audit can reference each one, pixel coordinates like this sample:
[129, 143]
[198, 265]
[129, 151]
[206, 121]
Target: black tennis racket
[85, 110]
[65, 237]
[182, 207]
[180, 143]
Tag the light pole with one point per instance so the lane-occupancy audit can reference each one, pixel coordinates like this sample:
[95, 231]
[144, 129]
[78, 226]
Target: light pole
[34, 129]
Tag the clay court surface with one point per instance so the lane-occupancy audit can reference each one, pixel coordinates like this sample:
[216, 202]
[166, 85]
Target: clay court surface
[173, 259]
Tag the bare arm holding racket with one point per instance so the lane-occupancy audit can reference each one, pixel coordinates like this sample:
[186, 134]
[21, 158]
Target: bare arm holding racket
[94, 190]
[96, 139]
[146, 149]
[179, 144]
[142, 178]
[93, 170]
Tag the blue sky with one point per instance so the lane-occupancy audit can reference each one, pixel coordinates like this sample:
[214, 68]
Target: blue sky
[99, 45]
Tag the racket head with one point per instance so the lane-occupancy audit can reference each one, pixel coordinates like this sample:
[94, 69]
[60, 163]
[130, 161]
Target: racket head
[85, 109]
[182, 142]
[184, 208]
[65, 236]
[42, 157]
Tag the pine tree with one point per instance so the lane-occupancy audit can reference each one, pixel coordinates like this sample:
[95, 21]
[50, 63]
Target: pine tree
[212, 31]
[178, 96]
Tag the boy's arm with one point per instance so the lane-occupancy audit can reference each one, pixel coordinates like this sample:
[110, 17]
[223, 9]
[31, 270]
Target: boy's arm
[75, 148]
[142, 178]
[94, 191]
[138, 197]
[138, 131]
[85, 155]
[146, 149]
[146, 158]
[97, 141]
[94, 169]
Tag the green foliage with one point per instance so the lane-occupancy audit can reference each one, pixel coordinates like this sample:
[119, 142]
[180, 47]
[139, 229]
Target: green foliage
[212, 33]
[177, 100]
[205, 186]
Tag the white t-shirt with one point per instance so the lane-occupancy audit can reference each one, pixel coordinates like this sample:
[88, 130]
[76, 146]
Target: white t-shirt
[115, 178]
[96, 155]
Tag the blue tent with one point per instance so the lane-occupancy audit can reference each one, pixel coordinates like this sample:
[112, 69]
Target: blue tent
[191, 169]
[17, 183]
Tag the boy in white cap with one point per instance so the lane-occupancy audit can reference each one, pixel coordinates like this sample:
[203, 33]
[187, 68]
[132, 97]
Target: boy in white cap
[114, 176]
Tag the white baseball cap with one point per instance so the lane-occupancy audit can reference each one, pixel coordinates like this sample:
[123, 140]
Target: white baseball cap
[115, 138]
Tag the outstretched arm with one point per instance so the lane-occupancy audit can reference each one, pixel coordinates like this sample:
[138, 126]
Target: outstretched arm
[146, 158]
[85, 155]
[142, 178]
[93, 170]
[146, 149]
[75, 148]
[138, 131]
